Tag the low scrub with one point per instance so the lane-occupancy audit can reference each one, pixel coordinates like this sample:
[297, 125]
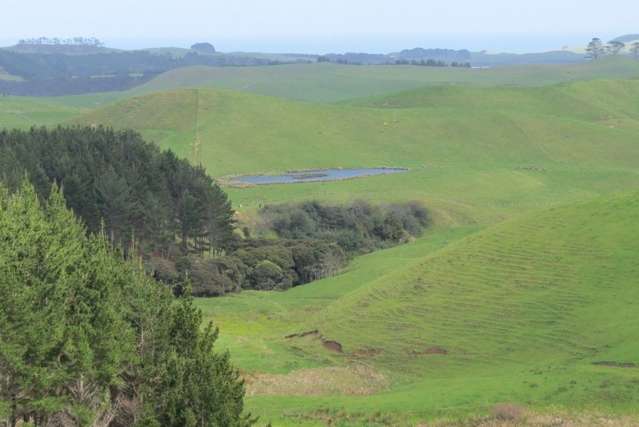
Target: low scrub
[358, 228]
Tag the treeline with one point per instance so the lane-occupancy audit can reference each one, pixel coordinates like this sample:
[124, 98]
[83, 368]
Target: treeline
[366, 59]
[432, 63]
[114, 180]
[314, 241]
[417, 56]
[56, 41]
[597, 49]
[86, 338]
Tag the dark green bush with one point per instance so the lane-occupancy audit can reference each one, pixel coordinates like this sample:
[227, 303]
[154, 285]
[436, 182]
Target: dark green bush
[357, 228]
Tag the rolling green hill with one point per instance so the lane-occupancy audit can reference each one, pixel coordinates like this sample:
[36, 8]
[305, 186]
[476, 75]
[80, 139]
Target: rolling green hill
[524, 291]
[539, 311]
[536, 310]
[474, 153]
[331, 82]
[26, 112]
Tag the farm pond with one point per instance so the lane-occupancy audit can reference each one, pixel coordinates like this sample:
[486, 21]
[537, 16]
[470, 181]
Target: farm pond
[317, 175]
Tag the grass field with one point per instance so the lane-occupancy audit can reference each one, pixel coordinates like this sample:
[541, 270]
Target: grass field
[476, 155]
[329, 83]
[332, 82]
[539, 311]
[523, 291]
[16, 112]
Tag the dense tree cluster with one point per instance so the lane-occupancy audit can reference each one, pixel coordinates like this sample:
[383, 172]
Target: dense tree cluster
[314, 241]
[114, 179]
[87, 339]
[258, 264]
[597, 49]
[203, 47]
[358, 228]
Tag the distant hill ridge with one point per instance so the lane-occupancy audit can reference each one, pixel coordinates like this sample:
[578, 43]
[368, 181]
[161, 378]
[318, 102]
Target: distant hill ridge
[627, 38]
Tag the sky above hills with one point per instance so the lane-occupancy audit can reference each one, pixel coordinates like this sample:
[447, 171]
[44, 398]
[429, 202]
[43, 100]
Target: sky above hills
[327, 25]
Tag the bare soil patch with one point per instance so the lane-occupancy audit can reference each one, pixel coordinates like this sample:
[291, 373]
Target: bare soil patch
[333, 346]
[434, 350]
[328, 344]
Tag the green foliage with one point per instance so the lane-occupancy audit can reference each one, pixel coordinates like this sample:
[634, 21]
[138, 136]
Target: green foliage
[359, 227]
[315, 241]
[524, 309]
[197, 387]
[117, 180]
[270, 264]
[86, 338]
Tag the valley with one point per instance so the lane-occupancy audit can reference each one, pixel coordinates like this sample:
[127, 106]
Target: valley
[523, 290]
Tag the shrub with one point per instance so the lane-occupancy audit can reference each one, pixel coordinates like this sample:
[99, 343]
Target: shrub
[268, 276]
[357, 228]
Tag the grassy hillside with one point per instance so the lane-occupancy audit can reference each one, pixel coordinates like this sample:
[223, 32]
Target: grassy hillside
[26, 112]
[539, 311]
[478, 154]
[522, 292]
[536, 310]
[331, 82]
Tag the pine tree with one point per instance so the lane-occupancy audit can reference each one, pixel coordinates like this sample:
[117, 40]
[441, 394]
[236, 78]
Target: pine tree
[87, 339]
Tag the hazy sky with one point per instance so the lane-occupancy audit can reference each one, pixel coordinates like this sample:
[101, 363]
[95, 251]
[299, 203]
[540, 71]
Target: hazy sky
[335, 25]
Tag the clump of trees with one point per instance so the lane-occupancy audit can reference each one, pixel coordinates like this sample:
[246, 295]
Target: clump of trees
[432, 63]
[86, 338]
[116, 181]
[313, 241]
[357, 228]
[597, 49]
[204, 47]
[257, 264]
[367, 59]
